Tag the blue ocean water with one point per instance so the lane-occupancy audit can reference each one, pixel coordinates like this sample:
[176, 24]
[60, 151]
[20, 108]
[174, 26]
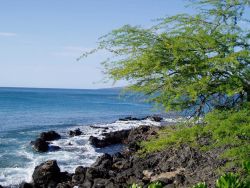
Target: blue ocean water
[25, 112]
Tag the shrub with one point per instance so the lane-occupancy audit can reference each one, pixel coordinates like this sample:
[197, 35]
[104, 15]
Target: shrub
[200, 185]
[229, 180]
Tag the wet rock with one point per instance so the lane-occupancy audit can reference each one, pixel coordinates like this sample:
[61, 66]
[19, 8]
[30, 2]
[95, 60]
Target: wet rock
[25, 185]
[46, 174]
[49, 136]
[111, 138]
[40, 145]
[98, 127]
[96, 142]
[76, 132]
[155, 118]
[130, 118]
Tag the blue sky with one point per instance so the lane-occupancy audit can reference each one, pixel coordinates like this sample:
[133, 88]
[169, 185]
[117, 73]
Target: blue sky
[40, 40]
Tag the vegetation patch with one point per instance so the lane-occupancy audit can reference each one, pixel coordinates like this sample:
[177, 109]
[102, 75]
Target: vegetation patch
[228, 130]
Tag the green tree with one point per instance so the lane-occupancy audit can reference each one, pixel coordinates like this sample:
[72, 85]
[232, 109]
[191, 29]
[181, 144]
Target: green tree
[186, 60]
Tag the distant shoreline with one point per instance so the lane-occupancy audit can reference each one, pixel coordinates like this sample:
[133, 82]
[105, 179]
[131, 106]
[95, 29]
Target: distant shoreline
[50, 88]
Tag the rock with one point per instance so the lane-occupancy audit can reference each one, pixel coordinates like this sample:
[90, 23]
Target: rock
[130, 118]
[103, 162]
[64, 185]
[54, 148]
[98, 127]
[139, 134]
[86, 184]
[117, 157]
[179, 179]
[46, 174]
[167, 176]
[49, 136]
[96, 142]
[43, 146]
[40, 145]
[120, 165]
[79, 176]
[111, 138]
[76, 132]
[80, 170]
[101, 183]
[93, 173]
[25, 185]
[181, 166]
[155, 118]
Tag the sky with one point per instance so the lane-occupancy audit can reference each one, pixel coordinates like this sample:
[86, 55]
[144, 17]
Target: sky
[41, 40]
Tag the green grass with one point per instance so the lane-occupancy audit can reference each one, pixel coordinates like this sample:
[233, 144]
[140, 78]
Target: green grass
[229, 129]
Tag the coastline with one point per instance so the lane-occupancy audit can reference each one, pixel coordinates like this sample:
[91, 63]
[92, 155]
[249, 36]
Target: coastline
[119, 165]
[96, 130]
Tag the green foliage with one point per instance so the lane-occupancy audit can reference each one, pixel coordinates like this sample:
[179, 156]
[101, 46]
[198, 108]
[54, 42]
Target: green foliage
[246, 166]
[155, 185]
[200, 185]
[228, 129]
[135, 186]
[230, 180]
[185, 60]
[151, 185]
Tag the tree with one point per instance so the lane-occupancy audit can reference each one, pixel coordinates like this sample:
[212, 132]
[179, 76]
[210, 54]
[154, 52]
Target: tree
[186, 61]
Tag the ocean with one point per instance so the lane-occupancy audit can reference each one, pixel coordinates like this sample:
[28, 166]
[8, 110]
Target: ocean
[26, 112]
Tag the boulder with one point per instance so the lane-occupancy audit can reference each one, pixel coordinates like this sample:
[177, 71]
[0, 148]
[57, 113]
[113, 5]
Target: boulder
[76, 132]
[46, 174]
[40, 145]
[110, 138]
[79, 176]
[103, 162]
[155, 118]
[93, 173]
[49, 136]
[80, 170]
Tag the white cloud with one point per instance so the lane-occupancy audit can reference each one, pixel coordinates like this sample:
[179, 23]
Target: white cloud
[7, 34]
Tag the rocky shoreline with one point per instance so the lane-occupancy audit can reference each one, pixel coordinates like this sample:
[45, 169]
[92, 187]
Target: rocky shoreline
[175, 167]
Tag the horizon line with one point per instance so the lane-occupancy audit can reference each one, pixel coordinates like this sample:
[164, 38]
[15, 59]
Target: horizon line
[23, 87]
